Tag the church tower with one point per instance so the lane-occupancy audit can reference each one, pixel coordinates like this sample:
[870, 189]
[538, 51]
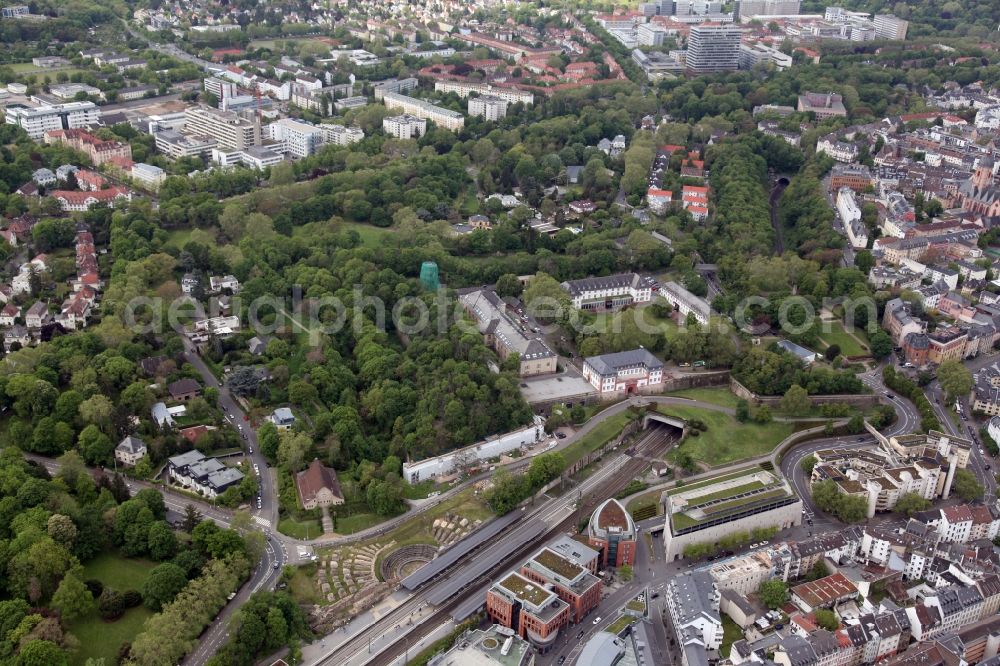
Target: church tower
[983, 176]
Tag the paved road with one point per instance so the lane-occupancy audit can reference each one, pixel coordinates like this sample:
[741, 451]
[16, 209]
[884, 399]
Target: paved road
[267, 515]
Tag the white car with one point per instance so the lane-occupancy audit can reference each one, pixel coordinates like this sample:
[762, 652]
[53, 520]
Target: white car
[597, 620]
[251, 450]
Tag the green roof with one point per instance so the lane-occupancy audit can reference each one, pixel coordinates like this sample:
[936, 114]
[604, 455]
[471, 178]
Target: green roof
[558, 564]
[523, 588]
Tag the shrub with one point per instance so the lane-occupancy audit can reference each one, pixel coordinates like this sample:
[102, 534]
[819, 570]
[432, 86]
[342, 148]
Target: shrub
[94, 586]
[111, 605]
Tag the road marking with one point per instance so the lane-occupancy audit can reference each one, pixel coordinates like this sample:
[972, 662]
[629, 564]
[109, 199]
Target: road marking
[263, 522]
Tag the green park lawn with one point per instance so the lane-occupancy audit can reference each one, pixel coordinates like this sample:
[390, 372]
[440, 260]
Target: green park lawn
[300, 529]
[610, 322]
[726, 440]
[849, 345]
[101, 639]
[178, 238]
[117, 572]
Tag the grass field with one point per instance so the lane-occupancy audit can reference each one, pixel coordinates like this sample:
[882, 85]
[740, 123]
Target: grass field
[300, 529]
[28, 68]
[727, 440]
[849, 345]
[721, 396]
[597, 437]
[370, 236]
[100, 639]
[610, 322]
[117, 572]
[178, 238]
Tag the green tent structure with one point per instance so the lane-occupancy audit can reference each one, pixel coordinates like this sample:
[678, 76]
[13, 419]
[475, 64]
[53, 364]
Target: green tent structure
[429, 276]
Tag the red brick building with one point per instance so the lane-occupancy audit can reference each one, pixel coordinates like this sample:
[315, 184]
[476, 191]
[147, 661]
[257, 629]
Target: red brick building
[569, 577]
[612, 532]
[535, 613]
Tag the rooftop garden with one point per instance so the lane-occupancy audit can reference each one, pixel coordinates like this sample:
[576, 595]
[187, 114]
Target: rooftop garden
[560, 565]
[525, 589]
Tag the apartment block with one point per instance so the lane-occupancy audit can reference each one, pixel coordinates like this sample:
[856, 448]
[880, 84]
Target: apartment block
[488, 107]
[404, 126]
[463, 88]
[446, 118]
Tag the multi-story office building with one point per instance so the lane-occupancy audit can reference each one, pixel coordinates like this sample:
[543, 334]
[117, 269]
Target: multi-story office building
[569, 572]
[612, 532]
[530, 609]
[709, 512]
[487, 106]
[713, 48]
[888, 26]
[299, 139]
[609, 292]
[175, 145]
[446, 118]
[41, 119]
[462, 89]
[504, 331]
[746, 9]
[404, 126]
[221, 88]
[824, 105]
[762, 54]
[230, 130]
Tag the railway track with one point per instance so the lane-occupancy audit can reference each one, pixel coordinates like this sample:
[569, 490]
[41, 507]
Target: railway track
[624, 468]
